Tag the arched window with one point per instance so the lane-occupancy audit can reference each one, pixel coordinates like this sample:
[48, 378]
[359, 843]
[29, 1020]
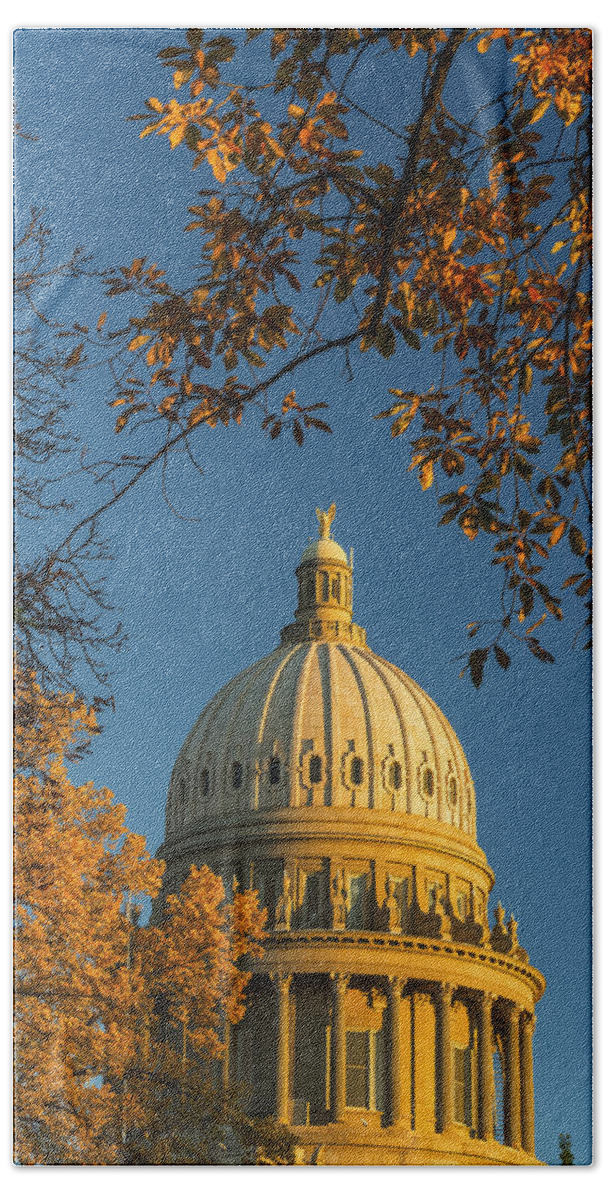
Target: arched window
[205, 781]
[395, 776]
[315, 768]
[324, 585]
[237, 775]
[274, 771]
[356, 771]
[428, 781]
[452, 792]
[335, 588]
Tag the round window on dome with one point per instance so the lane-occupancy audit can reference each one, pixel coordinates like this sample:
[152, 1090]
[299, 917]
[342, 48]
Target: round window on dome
[395, 776]
[356, 771]
[428, 782]
[274, 771]
[237, 775]
[315, 768]
[205, 781]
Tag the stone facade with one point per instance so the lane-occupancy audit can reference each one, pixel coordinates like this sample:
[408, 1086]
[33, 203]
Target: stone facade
[387, 1022]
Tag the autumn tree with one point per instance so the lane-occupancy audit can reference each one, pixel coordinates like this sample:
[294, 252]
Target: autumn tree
[63, 616]
[329, 226]
[116, 1026]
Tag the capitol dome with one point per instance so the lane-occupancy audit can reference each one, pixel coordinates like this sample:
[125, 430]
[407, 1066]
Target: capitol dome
[322, 724]
[387, 1022]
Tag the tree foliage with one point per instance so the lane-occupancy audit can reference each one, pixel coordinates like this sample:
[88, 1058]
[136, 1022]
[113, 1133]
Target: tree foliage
[566, 1157]
[62, 613]
[328, 226]
[110, 1017]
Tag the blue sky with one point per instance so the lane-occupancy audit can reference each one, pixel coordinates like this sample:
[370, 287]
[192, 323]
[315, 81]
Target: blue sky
[201, 599]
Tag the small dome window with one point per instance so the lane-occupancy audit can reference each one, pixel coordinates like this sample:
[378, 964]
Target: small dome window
[181, 793]
[324, 585]
[205, 781]
[335, 588]
[395, 776]
[274, 771]
[315, 768]
[237, 775]
[356, 771]
[428, 782]
[452, 792]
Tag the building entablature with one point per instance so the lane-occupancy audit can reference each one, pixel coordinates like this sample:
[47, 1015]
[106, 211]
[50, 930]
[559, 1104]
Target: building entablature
[417, 962]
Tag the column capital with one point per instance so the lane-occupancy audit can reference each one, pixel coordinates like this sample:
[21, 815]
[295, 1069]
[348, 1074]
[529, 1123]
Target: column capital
[282, 979]
[487, 1000]
[515, 1012]
[396, 984]
[340, 979]
[529, 1021]
[446, 992]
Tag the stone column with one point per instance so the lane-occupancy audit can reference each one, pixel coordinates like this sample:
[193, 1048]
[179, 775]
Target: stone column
[340, 984]
[486, 1069]
[527, 1083]
[282, 983]
[395, 991]
[513, 1106]
[446, 1070]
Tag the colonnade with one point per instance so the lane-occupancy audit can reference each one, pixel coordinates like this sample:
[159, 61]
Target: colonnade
[516, 1026]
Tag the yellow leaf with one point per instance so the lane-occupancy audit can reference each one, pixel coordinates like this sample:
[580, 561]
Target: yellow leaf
[557, 246]
[540, 110]
[101, 322]
[176, 136]
[484, 45]
[140, 340]
[217, 165]
[448, 237]
[557, 533]
[426, 475]
[155, 104]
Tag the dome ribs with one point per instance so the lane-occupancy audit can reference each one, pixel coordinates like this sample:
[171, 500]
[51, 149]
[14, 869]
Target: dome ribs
[324, 658]
[284, 661]
[345, 651]
[229, 744]
[298, 718]
[458, 755]
[376, 664]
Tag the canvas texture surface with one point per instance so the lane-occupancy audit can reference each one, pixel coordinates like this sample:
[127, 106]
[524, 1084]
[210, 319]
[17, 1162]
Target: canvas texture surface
[302, 595]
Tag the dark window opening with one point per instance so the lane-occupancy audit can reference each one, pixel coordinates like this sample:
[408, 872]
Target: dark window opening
[452, 792]
[357, 889]
[357, 1069]
[356, 771]
[274, 772]
[315, 768]
[237, 775]
[205, 781]
[395, 776]
[324, 585]
[313, 904]
[462, 1085]
[335, 589]
[428, 782]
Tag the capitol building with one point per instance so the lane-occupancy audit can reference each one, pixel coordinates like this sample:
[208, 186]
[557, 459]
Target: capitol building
[389, 1021]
